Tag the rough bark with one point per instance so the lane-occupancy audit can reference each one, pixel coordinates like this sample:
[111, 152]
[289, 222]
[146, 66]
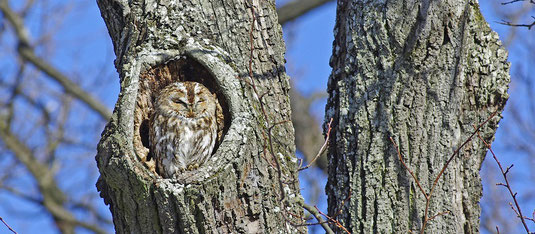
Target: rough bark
[424, 73]
[250, 186]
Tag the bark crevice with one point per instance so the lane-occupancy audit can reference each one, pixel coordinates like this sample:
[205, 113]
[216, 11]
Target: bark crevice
[149, 38]
[422, 74]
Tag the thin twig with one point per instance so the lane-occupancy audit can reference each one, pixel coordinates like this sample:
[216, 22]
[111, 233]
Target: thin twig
[456, 152]
[332, 220]
[503, 22]
[518, 211]
[342, 205]
[11, 229]
[459, 149]
[321, 221]
[439, 214]
[435, 182]
[323, 147]
[268, 142]
[408, 169]
[513, 1]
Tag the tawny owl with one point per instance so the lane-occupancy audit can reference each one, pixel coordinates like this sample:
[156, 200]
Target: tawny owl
[183, 127]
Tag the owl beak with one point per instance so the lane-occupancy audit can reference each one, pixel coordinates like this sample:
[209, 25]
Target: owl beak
[190, 112]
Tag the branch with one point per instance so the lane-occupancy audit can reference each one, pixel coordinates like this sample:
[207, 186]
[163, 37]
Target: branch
[28, 54]
[308, 135]
[11, 229]
[334, 221]
[518, 211]
[323, 147]
[400, 157]
[459, 149]
[296, 8]
[518, 25]
[53, 198]
[92, 210]
[317, 215]
[513, 1]
[428, 196]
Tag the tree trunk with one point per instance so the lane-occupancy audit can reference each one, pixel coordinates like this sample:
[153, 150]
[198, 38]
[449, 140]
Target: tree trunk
[250, 184]
[424, 73]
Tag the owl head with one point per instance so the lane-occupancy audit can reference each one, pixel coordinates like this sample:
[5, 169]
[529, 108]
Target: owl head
[188, 100]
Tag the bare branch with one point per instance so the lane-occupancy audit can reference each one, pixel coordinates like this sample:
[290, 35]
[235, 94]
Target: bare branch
[428, 196]
[518, 25]
[28, 54]
[308, 135]
[317, 215]
[513, 1]
[23, 195]
[296, 8]
[53, 197]
[323, 147]
[11, 229]
[439, 214]
[518, 211]
[400, 157]
[332, 220]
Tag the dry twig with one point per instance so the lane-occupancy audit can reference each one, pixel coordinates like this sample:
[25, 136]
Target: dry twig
[428, 195]
[503, 22]
[517, 211]
[11, 229]
[323, 147]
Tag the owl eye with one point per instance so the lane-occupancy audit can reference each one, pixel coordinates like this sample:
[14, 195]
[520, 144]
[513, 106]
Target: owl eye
[177, 101]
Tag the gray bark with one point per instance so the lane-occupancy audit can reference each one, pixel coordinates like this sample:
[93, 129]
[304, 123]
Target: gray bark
[424, 73]
[251, 184]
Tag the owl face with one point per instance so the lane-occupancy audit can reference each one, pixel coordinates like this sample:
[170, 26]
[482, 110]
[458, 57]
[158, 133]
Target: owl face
[189, 100]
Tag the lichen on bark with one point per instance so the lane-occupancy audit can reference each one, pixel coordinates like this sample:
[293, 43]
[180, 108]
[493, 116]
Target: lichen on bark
[240, 191]
[421, 72]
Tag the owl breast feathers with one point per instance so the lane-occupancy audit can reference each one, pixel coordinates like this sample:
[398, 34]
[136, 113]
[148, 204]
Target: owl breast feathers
[183, 127]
